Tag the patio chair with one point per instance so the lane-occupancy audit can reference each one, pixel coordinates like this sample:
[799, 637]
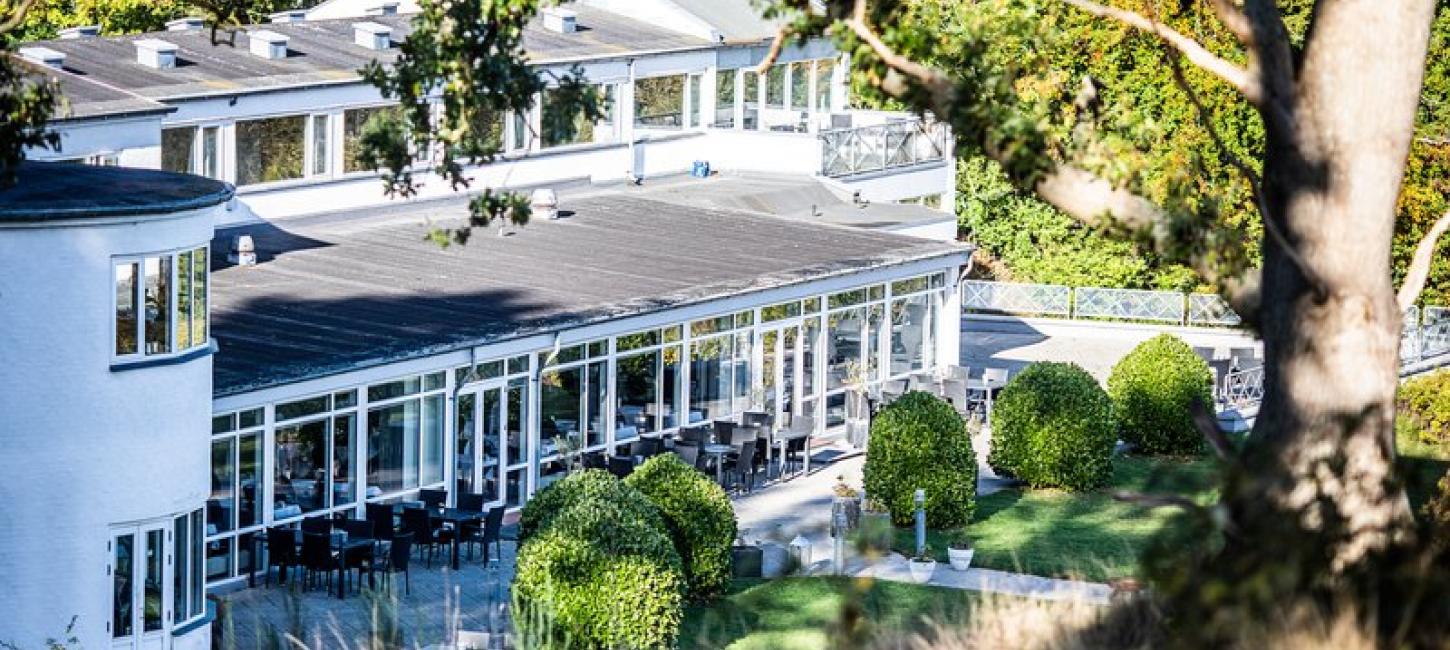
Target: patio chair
[740, 435]
[380, 515]
[756, 419]
[955, 391]
[723, 429]
[360, 559]
[433, 498]
[621, 466]
[491, 532]
[417, 522]
[321, 525]
[358, 528]
[470, 501]
[281, 553]
[595, 460]
[396, 561]
[317, 559]
[689, 453]
[744, 468]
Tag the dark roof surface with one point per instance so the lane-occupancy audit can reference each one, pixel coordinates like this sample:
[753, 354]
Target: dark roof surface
[322, 51]
[333, 293]
[47, 191]
[87, 98]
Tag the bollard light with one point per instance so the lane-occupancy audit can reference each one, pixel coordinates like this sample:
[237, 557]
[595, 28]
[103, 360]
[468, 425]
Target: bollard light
[920, 521]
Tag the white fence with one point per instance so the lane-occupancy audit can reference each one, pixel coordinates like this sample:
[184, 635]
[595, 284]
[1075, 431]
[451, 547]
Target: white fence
[1198, 309]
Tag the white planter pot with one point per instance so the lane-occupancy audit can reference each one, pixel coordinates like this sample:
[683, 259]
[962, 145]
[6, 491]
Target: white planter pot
[921, 571]
[960, 559]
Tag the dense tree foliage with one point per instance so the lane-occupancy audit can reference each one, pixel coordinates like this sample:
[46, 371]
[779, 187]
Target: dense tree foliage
[1151, 134]
[48, 17]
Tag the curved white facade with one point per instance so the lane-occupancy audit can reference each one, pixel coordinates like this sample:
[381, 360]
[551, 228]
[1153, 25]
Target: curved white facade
[89, 448]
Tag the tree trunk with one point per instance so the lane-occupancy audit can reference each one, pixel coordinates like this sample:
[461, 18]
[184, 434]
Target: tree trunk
[1320, 460]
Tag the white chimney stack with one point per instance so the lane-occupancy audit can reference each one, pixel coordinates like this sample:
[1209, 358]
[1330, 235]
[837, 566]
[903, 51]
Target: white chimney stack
[44, 56]
[84, 31]
[545, 203]
[383, 9]
[374, 36]
[156, 53]
[563, 21]
[289, 16]
[267, 44]
[244, 252]
[186, 24]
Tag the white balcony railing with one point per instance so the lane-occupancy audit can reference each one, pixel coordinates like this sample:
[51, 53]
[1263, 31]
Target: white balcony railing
[879, 147]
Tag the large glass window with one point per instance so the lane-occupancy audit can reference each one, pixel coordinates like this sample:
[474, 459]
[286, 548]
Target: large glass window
[775, 87]
[126, 308]
[344, 443]
[187, 601]
[221, 505]
[299, 472]
[750, 96]
[725, 99]
[909, 333]
[123, 596]
[800, 85]
[585, 131]
[250, 464]
[158, 302]
[825, 70]
[321, 140]
[561, 398]
[432, 446]
[659, 102]
[353, 121]
[178, 146]
[696, 111]
[637, 392]
[393, 447]
[270, 149]
[844, 344]
[711, 363]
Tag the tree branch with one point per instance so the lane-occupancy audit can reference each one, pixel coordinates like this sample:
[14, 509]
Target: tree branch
[1206, 422]
[1234, 20]
[17, 17]
[776, 45]
[935, 81]
[1419, 270]
[1242, 80]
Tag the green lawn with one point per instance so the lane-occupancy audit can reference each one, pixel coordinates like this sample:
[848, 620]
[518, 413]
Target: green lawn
[791, 613]
[1422, 464]
[1082, 535]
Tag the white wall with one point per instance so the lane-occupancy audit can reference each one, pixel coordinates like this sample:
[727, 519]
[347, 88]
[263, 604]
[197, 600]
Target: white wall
[135, 140]
[85, 447]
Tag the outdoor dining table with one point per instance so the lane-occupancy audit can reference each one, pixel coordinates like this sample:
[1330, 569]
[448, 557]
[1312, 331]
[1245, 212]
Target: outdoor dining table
[988, 387]
[718, 451]
[453, 516]
[341, 543]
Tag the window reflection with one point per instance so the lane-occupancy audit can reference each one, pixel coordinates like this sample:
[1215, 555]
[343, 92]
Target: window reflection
[659, 102]
[637, 389]
[270, 150]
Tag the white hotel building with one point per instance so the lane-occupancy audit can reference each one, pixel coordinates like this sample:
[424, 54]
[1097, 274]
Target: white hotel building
[167, 400]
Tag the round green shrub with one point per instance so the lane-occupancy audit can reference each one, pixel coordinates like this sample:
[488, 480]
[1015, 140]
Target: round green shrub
[1423, 405]
[1052, 426]
[919, 441]
[599, 576]
[699, 516]
[1152, 389]
[586, 485]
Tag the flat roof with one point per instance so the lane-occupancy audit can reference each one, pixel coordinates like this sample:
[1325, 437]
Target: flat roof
[322, 52]
[344, 291]
[806, 198]
[86, 98]
[53, 191]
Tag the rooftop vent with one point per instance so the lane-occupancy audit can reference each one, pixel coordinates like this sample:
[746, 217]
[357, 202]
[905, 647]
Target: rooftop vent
[156, 53]
[374, 36]
[243, 252]
[267, 44]
[44, 56]
[383, 9]
[544, 202]
[186, 24]
[84, 31]
[563, 21]
[290, 16]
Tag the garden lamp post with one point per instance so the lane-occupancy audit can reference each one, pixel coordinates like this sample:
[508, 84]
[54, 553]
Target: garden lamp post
[920, 500]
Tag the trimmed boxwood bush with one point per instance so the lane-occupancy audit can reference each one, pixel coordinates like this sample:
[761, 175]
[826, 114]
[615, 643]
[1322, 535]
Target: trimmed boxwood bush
[1052, 426]
[586, 485]
[699, 516]
[599, 576]
[1152, 389]
[919, 441]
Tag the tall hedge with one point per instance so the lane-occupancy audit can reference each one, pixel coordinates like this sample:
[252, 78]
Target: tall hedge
[586, 485]
[699, 516]
[599, 576]
[1152, 390]
[919, 441]
[1052, 426]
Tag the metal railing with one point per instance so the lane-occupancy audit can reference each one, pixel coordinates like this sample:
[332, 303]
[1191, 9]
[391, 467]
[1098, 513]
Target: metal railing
[1096, 303]
[1243, 388]
[878, 147]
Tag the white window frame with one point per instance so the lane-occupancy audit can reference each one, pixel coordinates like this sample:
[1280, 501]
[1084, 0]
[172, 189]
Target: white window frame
[139, 292]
